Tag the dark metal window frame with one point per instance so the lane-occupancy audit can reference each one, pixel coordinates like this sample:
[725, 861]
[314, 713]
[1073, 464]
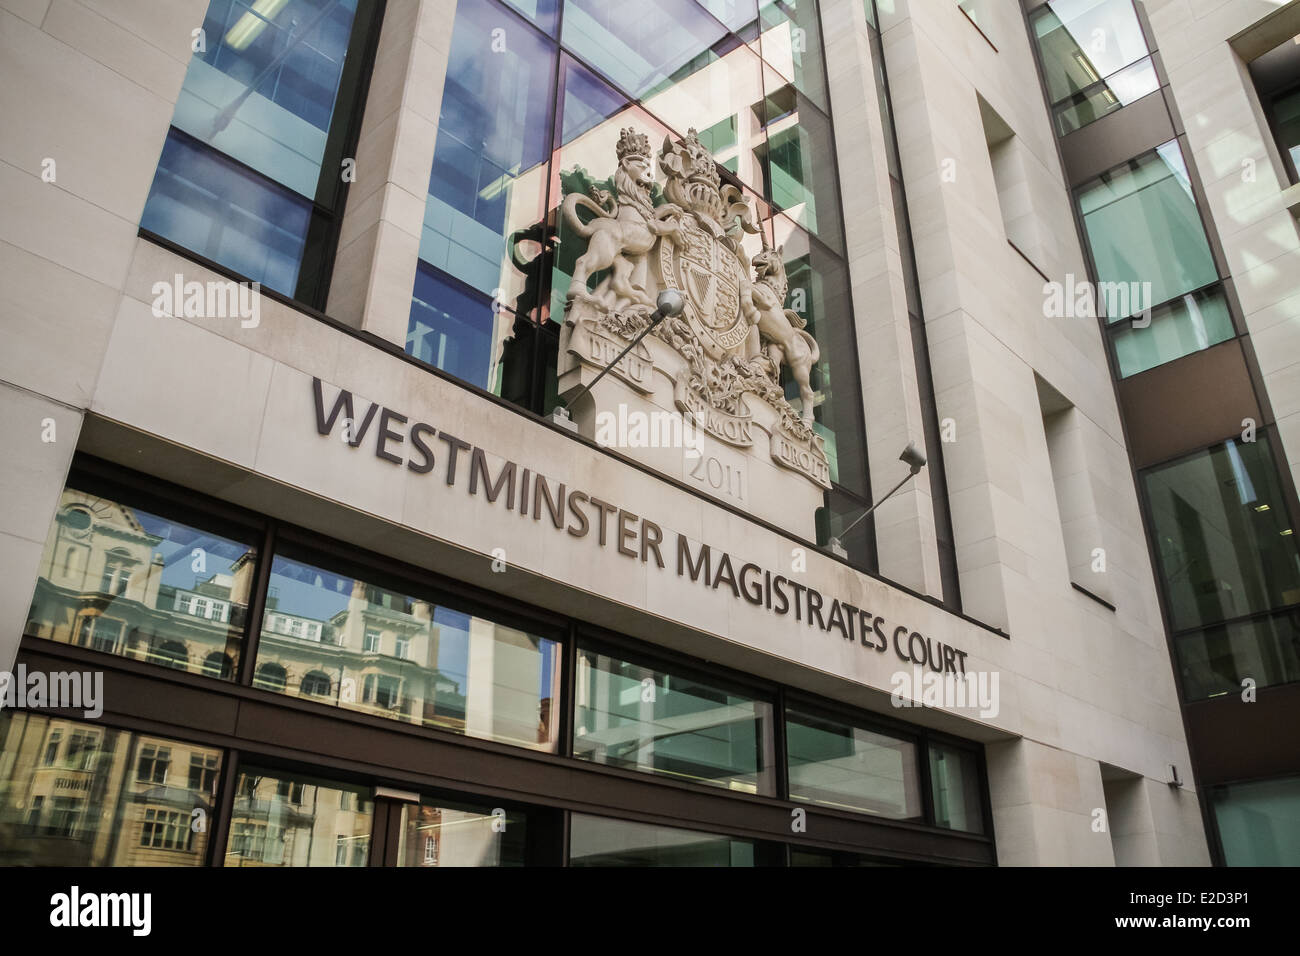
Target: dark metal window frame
[271, 729]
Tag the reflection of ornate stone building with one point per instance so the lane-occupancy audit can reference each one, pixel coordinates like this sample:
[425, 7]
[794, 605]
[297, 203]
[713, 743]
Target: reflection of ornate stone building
[375, 655]
[94, 796]
[101, 586]
[282, 822]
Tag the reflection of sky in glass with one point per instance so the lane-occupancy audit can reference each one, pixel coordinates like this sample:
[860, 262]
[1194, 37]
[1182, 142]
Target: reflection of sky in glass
[177, 549]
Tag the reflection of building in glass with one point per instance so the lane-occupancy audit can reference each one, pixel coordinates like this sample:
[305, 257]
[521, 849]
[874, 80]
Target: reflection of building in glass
[282, 820]
[77, 794]
[394, 655]
[105, 583]
[455, 834]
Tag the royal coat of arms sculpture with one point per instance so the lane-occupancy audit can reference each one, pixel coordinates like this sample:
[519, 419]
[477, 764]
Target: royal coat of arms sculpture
[718, 364]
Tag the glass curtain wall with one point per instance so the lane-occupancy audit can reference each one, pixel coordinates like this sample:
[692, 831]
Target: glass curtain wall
[535, 98]
[1095, 59]
[252, 175]
[1158, 284]
[1229, 567]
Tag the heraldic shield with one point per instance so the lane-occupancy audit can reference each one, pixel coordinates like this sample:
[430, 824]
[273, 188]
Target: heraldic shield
[711, 274]
[715, 369]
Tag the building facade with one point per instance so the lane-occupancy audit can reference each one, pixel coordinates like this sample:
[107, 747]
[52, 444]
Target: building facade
[292, 289]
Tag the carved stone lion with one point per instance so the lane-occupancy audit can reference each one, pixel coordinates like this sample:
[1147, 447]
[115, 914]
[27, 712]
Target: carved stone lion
[622, 233]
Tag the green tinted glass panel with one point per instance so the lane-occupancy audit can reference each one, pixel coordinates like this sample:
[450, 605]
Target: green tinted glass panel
[955, 785]
[1218, 660]
[1259, 823]
[1225, 544]
[1145, 231]
[1128, 85]
[600, 841]
[660, 722]
[791, 44]
[1084, 41]
[837, 764]
[1179, 328]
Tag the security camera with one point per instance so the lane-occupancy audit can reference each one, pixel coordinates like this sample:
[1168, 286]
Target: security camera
[912, 457]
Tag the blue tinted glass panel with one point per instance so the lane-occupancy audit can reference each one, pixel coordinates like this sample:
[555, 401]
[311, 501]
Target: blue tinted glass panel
[489, 166]
[544, 13]
[587, 102]
[456, 330]
[736, 14]
[215, 208]
[121, 580]
[640, 45]
[263, 88]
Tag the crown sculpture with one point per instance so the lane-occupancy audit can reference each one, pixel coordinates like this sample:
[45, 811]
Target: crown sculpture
[718, 364]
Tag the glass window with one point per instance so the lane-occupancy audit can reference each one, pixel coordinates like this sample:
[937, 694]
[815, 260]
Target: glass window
[262, 109]
[1259, 823]
[459, 330]
[819, 293]
[122, 593]
[460, 672]
[1226, 547]
[955, 787]
[269, 827]
[800, 151]
[109, 802]
[803, 857]
[1128, 85]
[486, 196]
[1143, 227]
[601, 841]
[202, 201]
[262, 89]
[436, 832]
[1276, 78]
[718, 95]
[837, 764]
[640, 46]
[1095, 58]
[791, 43]
[658, 721]
[739, 15]
[1219, 659]
[1178, 328]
